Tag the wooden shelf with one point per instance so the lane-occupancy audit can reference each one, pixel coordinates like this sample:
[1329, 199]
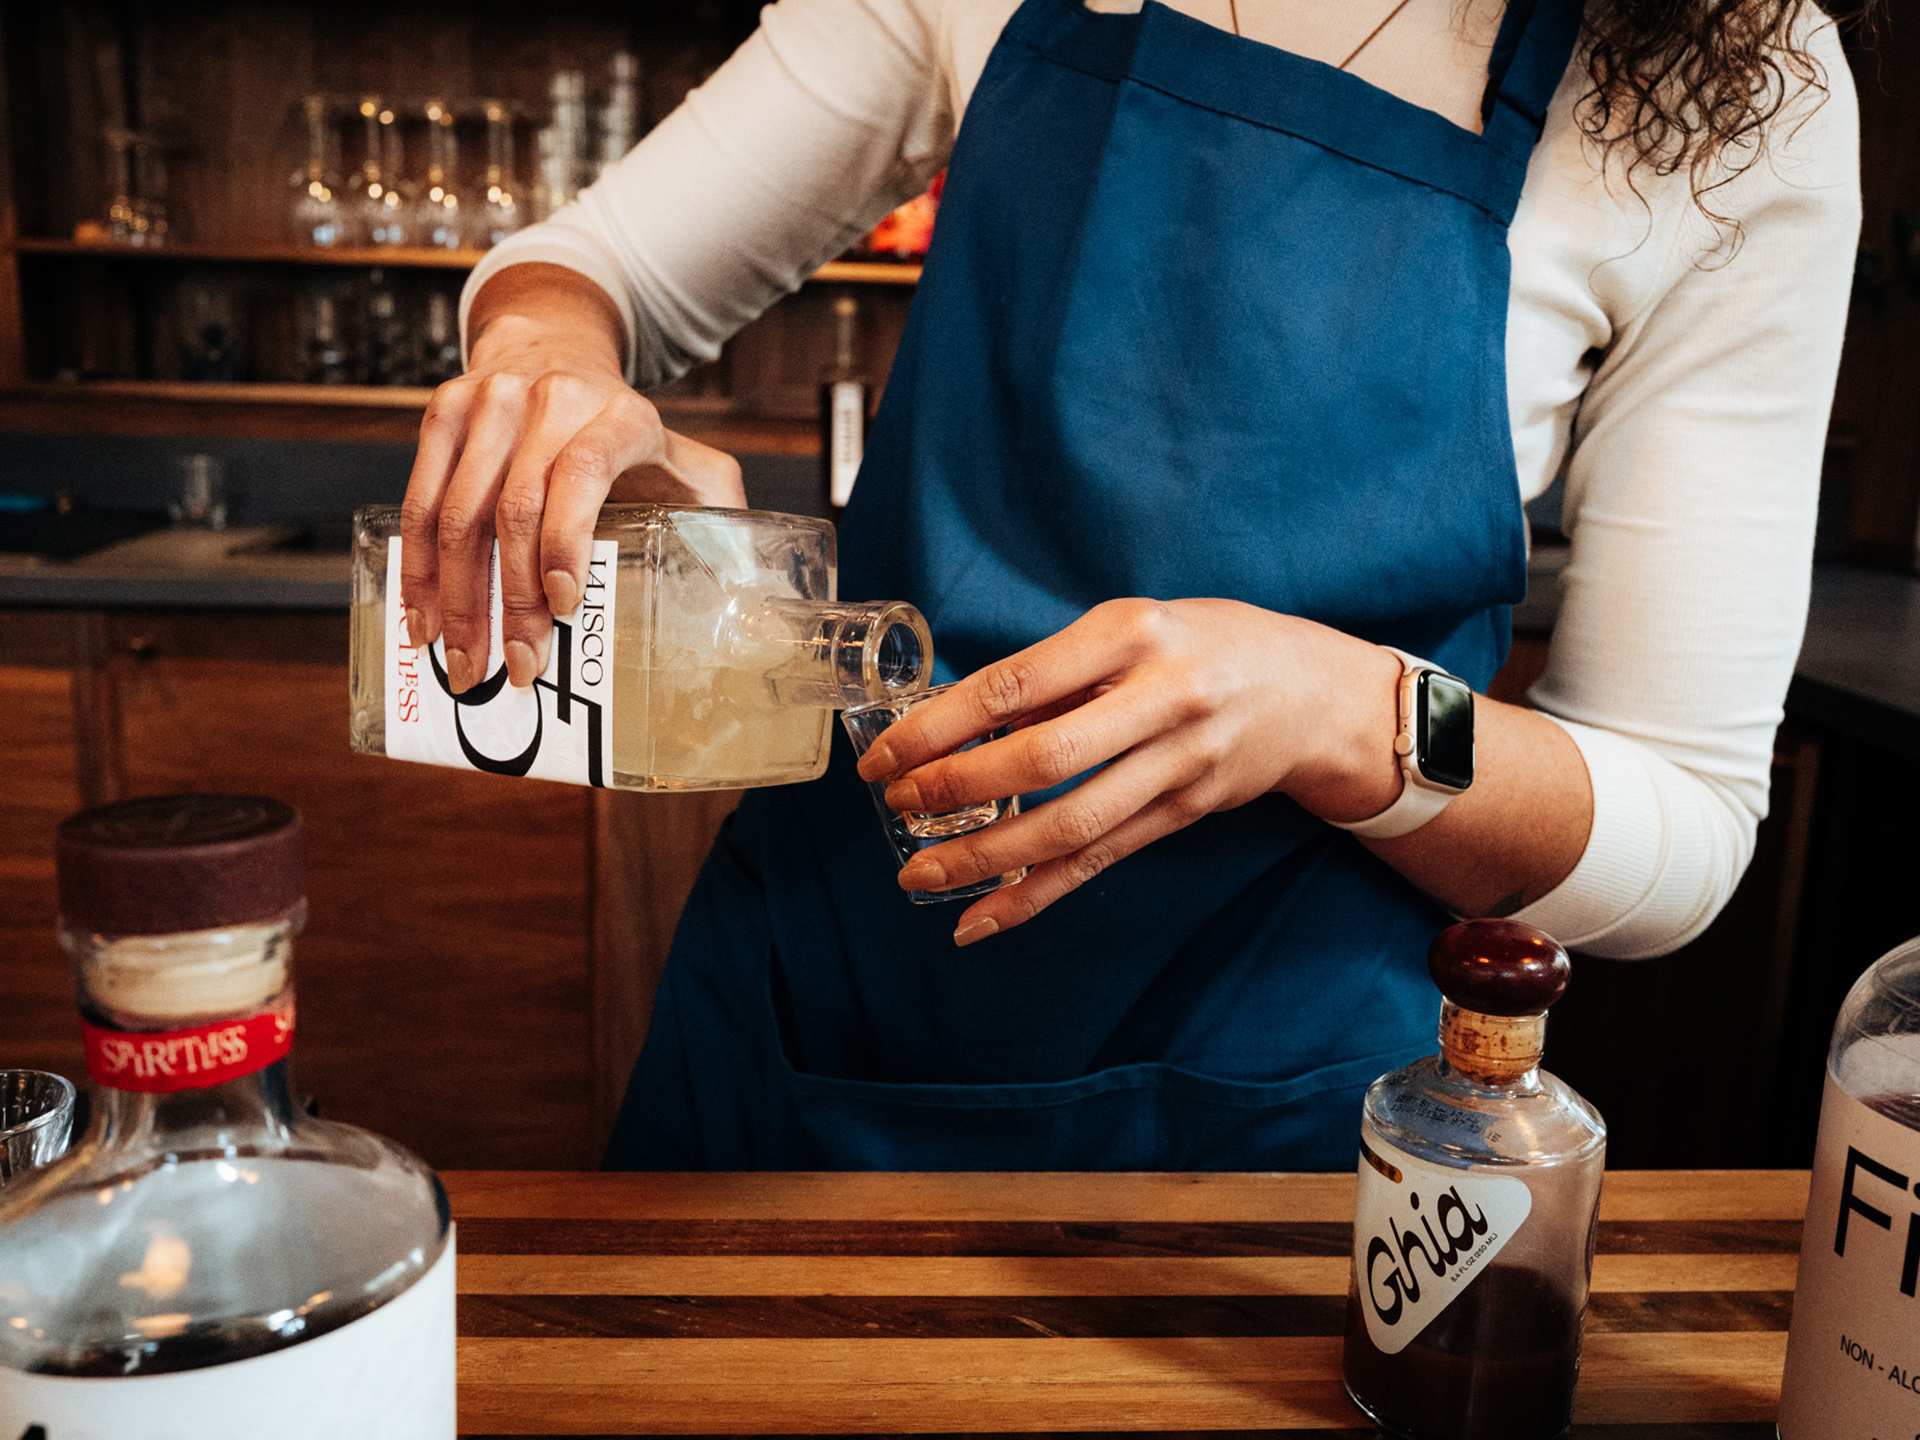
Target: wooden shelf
[838, 272]
[373, 413]
[867, 272]
[365, 256]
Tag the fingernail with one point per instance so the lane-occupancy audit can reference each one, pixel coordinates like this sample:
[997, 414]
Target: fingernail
[459, 671]
[877, 763]
[905, 795]
[923, 875]
[522, 666]
[563, 596]
[420, 629]
[978, 929]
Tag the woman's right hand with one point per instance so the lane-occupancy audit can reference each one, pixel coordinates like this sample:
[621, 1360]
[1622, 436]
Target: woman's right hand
[526, 447]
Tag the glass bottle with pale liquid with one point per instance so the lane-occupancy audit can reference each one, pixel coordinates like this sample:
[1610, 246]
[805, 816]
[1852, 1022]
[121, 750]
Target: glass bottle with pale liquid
[1853, 1351]
[708, 652]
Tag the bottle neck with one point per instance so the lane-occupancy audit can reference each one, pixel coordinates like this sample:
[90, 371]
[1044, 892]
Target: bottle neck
[830, 655]
[188, 1035]
[843, 340]
[440, 159]
[1497, 1051]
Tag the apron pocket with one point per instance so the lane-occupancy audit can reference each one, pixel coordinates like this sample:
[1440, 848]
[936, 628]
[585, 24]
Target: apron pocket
[1143, 1116]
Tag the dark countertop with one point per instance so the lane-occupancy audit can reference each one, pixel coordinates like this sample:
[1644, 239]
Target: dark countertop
[1858, 672]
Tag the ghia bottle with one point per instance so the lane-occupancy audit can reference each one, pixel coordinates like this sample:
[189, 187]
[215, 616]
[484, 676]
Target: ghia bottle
[208, 1260]
[1853, 1352]
[1478, 1200]
[708, 653]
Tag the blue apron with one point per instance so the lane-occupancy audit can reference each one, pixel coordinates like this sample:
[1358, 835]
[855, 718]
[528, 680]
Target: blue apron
[1203, 318]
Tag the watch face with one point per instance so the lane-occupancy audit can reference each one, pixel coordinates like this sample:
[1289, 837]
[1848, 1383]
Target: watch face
[1444, 736]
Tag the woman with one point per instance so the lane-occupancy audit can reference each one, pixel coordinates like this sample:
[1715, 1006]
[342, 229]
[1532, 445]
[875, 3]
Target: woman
[1249, 326]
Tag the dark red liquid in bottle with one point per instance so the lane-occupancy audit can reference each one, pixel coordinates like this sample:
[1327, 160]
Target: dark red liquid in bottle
[1499, 1363]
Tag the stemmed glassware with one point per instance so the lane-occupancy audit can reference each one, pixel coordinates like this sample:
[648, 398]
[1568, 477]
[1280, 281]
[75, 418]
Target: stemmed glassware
[436, 206]
[317, 213]
[499, 212]
[380, 205]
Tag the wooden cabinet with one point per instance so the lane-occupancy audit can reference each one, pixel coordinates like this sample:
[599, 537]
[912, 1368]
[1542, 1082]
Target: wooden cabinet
[444, 973]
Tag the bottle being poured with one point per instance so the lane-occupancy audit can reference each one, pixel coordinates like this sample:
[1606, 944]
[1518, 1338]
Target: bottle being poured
[1478, 1200]
[708, 652]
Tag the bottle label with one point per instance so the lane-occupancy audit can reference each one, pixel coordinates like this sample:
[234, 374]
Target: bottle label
[157, 1061]
[1422, 1233]
[389, 1373]
[848, 431]
[559, 728]
[1853, 1353]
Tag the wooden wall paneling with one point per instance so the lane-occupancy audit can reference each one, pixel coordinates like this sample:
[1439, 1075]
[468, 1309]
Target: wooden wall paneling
[13, 344]
[1874, 402]
[37, 1025]
[444, 969]
[648, 850]
[1680, 1053]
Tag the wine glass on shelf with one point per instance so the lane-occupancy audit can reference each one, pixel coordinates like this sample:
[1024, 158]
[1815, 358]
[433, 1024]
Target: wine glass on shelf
[500, 211]
[436, 201]
[316, 210]
[379, 206]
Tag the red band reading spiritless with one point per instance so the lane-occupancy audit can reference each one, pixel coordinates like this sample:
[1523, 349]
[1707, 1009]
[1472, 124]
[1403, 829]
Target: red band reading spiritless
[157, 1061]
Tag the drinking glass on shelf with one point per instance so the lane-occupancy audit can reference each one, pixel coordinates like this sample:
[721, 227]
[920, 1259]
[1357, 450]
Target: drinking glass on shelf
[121, 207]
[440, 358]
[36, 1119]
[436, 201]
[153, 217]
[316, 210]
[500, 211]
[325, 357]
[378, 205]
[910, 832]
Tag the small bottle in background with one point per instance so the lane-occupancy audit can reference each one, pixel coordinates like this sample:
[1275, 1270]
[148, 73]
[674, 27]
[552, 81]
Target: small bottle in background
[844, 409]
[1853, 1367]
[1478, 1202]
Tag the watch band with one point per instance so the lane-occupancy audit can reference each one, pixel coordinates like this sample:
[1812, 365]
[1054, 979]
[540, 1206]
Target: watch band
[1419, 800]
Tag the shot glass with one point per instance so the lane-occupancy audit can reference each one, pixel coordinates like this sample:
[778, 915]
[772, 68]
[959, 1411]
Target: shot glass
[909, 831]
[36, 1118]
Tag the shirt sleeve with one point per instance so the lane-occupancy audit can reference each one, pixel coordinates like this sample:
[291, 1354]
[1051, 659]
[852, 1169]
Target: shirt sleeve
[1690, 503]
[829, 115]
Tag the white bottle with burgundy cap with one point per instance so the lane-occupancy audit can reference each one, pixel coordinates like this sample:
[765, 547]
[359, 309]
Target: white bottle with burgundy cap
[208, 1260]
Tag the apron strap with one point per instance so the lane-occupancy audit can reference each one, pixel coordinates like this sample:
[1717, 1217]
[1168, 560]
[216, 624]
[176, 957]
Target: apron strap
[1529, 57]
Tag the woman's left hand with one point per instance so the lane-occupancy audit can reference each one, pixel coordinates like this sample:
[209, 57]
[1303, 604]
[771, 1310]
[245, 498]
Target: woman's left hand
[1199, 705]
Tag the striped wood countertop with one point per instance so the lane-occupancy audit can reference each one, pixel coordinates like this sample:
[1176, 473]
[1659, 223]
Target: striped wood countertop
[787, 1304]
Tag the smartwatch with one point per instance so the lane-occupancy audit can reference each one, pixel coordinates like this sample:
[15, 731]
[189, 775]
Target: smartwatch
[1434, 746]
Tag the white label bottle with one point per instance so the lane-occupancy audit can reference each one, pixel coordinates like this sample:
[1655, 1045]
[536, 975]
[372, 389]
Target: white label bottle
[1479, 1195]
[708, 652]
[208, 1261]
[1853, 1352]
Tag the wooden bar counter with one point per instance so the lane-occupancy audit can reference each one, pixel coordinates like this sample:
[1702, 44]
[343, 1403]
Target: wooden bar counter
[787, 1304]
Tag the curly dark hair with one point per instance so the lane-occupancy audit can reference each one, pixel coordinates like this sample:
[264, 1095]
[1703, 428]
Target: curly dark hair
[1694, 85]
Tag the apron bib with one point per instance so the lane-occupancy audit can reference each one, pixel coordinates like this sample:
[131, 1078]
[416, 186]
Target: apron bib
[1202, 318]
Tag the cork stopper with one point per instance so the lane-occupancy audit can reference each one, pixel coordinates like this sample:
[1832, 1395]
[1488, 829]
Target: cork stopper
[1499, 978]
[169, 864]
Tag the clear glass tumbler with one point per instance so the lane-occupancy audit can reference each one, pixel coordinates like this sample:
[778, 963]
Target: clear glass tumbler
[36, 1119]
[908, 831]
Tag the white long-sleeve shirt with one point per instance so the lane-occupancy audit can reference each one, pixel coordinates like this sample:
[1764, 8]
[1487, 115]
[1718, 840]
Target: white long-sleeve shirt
[1684, 394]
